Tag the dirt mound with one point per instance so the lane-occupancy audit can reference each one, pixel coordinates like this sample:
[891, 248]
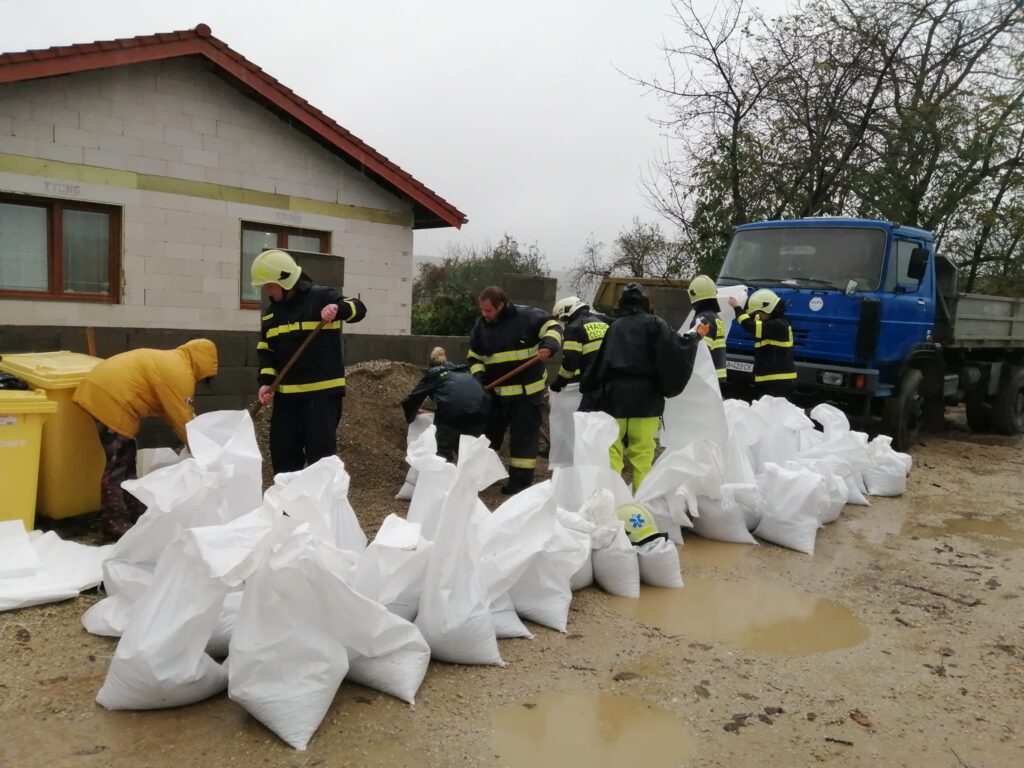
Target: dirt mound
[371, 436]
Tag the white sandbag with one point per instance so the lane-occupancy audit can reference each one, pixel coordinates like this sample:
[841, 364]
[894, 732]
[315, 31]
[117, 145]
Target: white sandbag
[697, 412]
[793, 502]
[581, 529]
[832, 470]
[574, 485]
[616, 568]
[544, 593]
[227, 440]
[593, 436]
[747, 428]
[887, 475]
[69, 561]
[507, 623]
[161, 659]
[726, 519]
[416, 428]
[220, 638]
[149, 459]
[834, 422]
[454, 615]
[124, 583]
[180, 496]
[318, 495]
[850, 450]
[434, 478]
[287, 658]
[564, 405]
[781, 439]
[659, 563]
[392, 567]
[726, 313]
[671, 489]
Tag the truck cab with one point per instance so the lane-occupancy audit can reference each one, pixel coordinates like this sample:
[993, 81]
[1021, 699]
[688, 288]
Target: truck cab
[874, 315]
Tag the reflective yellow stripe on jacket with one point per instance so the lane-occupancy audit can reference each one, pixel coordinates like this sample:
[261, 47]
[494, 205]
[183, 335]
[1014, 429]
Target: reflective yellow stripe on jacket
[305, 325]
[316, 386]
[518, 389]
[776, 377]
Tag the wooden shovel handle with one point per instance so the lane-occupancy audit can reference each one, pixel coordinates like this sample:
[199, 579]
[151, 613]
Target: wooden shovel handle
[288, 366]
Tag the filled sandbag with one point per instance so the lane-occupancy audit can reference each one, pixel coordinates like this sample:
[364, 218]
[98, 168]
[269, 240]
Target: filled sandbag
[455, 610]
[697, 412]
[392, 567]
[564, 405]
[887, 475]
[794, 499]
[659, 563]
[416, 428]
[226, 440]
[616, 568]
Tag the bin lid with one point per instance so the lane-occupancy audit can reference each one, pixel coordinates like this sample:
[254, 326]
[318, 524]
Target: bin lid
[50, 370]
[25, 401]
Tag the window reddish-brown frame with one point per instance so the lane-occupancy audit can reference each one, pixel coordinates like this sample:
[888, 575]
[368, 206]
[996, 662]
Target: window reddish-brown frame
[282, 242]
[55, 249]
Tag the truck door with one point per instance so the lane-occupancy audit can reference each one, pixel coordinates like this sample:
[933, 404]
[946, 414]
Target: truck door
[909, 306]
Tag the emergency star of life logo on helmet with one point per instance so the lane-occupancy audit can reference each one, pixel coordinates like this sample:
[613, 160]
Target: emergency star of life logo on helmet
[595, 330]
[637, 521]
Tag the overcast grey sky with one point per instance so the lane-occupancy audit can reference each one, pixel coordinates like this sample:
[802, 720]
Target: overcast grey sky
[513, 111]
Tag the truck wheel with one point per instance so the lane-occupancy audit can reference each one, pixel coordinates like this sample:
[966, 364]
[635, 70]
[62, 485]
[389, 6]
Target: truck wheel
[979, 412]
[904, 411]
[1008, 406]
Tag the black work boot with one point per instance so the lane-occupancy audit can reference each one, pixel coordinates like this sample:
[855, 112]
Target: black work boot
[518, 480]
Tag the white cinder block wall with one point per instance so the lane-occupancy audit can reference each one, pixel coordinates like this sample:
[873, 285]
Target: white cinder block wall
[181, 254]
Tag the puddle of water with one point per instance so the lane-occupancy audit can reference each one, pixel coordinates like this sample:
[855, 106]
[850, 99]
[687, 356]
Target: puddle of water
[578, 729]
[698, 551]
[996, 533]
[753, 615]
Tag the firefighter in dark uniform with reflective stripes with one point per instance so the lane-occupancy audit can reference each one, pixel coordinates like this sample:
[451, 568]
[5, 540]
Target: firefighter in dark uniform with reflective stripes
[506, 336]
[764, 319]
[704, 300]
[307, 405]
[583, 331]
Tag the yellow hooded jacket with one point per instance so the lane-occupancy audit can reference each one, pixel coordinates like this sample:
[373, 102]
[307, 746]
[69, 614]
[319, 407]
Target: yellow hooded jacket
[147, 382]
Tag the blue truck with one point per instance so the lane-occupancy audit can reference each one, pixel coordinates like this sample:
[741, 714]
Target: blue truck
[879, 327]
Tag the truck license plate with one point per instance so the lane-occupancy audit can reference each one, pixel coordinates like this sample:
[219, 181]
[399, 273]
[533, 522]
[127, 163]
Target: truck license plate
[739, 365]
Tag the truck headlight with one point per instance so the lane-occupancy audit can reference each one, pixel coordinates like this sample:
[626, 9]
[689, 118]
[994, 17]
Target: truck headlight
[832, 378]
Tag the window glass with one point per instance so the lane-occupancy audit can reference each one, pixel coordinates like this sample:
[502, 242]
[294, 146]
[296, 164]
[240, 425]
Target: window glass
[899, 265]
[254, 242]
[23, 247]
[806, 257]
[304, 242]
[86, 246]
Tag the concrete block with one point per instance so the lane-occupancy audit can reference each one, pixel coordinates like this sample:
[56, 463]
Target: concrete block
[60, 152]
[6, 125]
[220, 145]
[75, 137]
[136, 113]
[205, 125]
[166, 102]
[56, 113]
[183, 137]
[32, 129]
[124, 145]
[186, 171]
[18, 146]
[229, 402]
[88, 102]
[14, 107]
[96, 122]
[147, 132]
[160, 150]
[222, 254]
[199, 157]
[222, 176]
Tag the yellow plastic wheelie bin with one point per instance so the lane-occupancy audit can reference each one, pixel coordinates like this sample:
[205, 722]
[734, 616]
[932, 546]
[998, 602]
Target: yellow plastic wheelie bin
[71, 458]
[22, 415]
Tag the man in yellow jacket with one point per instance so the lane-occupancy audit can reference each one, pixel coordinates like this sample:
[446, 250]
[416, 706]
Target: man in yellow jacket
[122, 390]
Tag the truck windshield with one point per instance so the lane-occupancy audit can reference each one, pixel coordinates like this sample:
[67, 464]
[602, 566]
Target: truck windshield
[806, 257]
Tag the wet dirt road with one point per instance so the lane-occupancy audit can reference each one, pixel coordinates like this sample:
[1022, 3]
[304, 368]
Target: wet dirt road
[899, 643]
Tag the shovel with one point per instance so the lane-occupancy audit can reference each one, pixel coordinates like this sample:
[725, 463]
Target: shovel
[513, 372]
[255, 407]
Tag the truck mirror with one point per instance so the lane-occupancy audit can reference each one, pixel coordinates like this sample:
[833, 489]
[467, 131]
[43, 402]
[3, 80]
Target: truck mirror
[918, 263]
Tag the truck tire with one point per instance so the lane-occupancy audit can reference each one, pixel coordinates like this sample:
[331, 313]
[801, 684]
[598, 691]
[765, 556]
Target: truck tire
[904, 411]
[979, 412]
[1008, 405]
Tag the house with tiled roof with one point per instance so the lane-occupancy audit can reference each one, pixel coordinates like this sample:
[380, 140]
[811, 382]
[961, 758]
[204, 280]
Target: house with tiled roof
[140, 177]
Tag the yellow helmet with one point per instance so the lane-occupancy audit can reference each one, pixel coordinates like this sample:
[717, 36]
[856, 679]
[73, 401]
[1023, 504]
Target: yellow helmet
[275, 266]
[702, 287]
[763, 300]
[565, 307]
[638, 520]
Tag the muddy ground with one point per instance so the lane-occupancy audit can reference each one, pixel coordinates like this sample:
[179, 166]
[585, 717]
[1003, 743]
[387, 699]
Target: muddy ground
[899, 643]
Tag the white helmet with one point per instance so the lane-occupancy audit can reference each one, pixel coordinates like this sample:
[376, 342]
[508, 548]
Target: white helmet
[565, 307]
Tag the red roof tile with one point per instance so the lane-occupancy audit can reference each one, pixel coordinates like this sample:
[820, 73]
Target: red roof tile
[431, 210]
